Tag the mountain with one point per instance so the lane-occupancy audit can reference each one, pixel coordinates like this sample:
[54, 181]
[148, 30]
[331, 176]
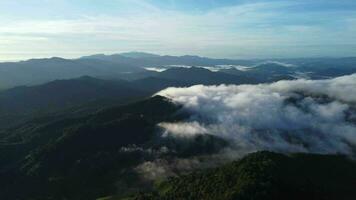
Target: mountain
[86, 157]
[139, 55]
[321, 68]
[99, 154]
[136, 76]
[107, 152]
[38, 71]
[264, 176]
[197, 75]
[154, 84]
[80, 95]
[267, 72]
[286, 69]
[64, 93]
[272, 71]
[114, 58]
[87, 93]
[130, 66]
[273, 67]
[150, 60]
[89, 128]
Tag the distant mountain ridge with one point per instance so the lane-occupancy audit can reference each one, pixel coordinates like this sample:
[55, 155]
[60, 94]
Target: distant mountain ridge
[64, 93]
[67, 93]
[38, 71]
[148, 60]
[196, 75]
[136, 54]
[38, 74]
[131, 66]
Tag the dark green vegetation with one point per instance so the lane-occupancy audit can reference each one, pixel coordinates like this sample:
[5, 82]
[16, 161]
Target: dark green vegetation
[83, 138]
[73, 97]
[62, 94]
[263, 176]
[88, 157]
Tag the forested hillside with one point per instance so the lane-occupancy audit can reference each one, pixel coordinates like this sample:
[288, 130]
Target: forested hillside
[263, 176]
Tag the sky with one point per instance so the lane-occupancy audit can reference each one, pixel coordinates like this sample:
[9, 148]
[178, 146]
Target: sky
[213, 28]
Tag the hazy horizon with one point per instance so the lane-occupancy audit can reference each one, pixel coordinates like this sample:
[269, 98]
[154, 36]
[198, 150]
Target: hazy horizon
[235, 29]
[180, 55]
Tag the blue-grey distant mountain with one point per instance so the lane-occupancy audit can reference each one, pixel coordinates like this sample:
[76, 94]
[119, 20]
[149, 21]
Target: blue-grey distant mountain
[197, 75]
[37, 71]
[131, 66]
[149, 60]
[271, 71]
[267, 69]
[136, 54]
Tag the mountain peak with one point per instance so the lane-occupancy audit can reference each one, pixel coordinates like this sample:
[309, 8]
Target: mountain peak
[52, 59]
[137, 54]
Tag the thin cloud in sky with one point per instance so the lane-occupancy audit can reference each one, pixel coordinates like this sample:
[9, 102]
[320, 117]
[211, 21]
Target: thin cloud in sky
[236, 29]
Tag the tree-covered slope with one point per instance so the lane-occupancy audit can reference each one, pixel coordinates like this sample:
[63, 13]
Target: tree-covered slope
[77, 158]
[62, 94]
[87, 157]
[263, 176]
[64, 97]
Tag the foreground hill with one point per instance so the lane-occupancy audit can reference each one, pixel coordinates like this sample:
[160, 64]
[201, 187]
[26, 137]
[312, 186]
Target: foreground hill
[86, 157]
[263, 176]
[99, 154]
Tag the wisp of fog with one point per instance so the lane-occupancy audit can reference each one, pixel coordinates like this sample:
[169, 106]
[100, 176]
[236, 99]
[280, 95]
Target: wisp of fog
[316, 116]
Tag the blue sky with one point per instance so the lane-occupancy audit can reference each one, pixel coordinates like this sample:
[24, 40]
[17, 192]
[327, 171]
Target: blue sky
[214, 28]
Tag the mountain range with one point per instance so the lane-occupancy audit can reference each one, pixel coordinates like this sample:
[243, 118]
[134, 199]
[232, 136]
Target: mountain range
[106, 153]
[101, 127]
[135, 65]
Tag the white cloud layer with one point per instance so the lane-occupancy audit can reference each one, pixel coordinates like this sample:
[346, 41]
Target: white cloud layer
[316, 116]
[182, 129]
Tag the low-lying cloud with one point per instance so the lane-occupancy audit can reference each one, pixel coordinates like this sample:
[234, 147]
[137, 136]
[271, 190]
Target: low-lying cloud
[317, 116]
[216, 68]
[183, 129]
